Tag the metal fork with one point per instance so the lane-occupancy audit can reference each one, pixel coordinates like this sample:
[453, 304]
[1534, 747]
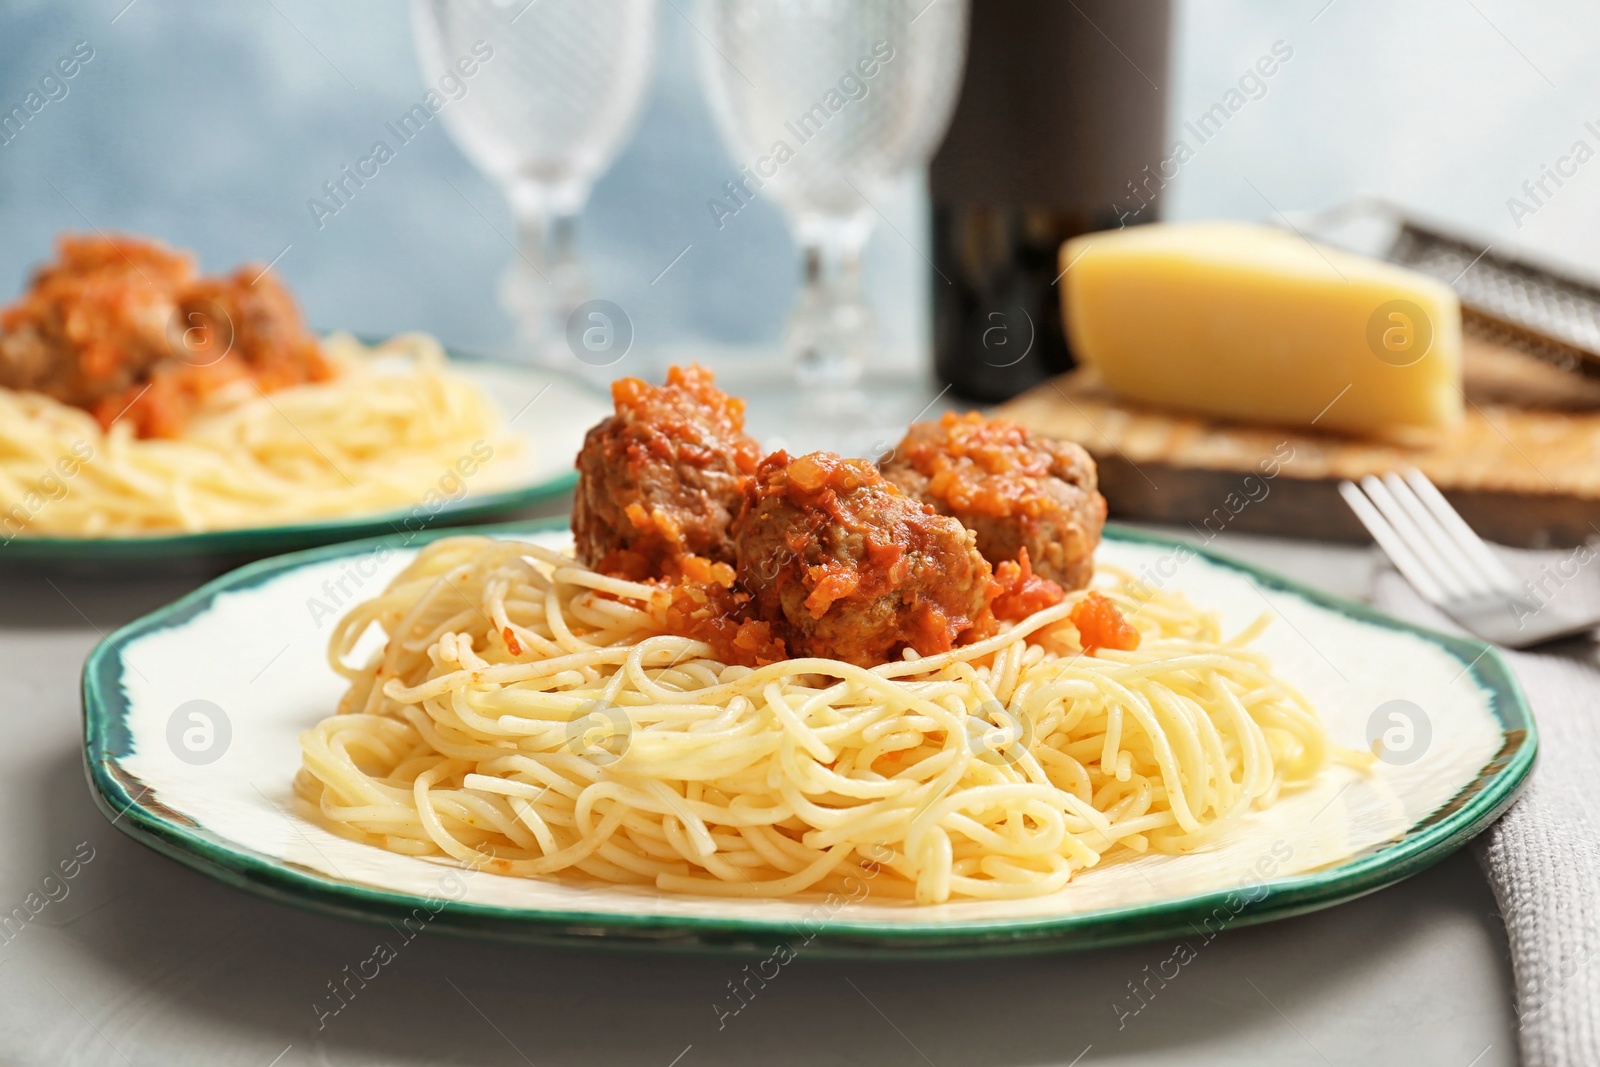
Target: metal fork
[1453, 567]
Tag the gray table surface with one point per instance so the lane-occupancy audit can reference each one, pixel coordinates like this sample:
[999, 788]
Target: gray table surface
[146, 962]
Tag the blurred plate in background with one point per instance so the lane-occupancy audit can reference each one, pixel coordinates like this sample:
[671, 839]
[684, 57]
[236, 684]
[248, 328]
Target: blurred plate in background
[549, 411]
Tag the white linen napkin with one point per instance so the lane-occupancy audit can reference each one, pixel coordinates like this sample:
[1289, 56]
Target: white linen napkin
[1542, 857]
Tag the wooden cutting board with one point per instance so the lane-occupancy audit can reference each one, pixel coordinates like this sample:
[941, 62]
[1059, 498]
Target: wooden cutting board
[1523, 470]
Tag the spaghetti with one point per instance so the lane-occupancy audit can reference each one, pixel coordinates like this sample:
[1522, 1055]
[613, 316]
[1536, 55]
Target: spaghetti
[529, 716]
[393, 424]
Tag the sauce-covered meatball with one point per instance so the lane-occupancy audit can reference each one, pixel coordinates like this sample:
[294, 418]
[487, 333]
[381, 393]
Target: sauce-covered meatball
[1015, 489]
[843, 565]
[127, 330]
[662, 478]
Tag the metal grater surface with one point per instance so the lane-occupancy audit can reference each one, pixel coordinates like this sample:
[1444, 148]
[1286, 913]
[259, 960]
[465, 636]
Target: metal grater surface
[1546, 314]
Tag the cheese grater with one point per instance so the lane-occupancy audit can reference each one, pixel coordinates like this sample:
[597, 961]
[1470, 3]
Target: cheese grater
[1507, 300]
[1530, 308]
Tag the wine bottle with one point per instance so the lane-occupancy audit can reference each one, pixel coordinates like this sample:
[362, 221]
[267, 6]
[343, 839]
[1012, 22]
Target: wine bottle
[1061, 112]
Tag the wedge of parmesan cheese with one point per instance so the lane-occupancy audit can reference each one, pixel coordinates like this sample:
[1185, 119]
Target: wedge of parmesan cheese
[1261, 325]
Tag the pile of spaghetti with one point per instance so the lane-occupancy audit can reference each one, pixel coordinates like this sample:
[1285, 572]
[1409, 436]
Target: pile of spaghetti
[529, 716]
[379, 434]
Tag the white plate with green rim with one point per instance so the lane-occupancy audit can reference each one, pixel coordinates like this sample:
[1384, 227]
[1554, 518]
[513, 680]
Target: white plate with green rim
[251, 646]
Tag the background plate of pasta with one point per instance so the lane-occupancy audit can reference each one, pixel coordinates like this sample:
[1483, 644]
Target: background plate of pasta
[486, 731]
[151, 412]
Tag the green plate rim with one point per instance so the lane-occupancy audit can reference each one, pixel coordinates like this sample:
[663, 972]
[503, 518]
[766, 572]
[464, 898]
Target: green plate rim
[248, 540]
[1466, 814]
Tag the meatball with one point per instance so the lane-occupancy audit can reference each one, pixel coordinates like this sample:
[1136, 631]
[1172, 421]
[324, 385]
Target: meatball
[843, 565]
[125, 329]
[1014, 489]
[93, 324]
[662, 478]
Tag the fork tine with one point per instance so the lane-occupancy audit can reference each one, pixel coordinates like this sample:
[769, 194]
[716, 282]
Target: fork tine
[1391, 542]
[1414, 538]
[1474, 546]
[1447, 553]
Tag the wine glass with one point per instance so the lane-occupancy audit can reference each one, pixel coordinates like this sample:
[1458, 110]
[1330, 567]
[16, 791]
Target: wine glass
[826, 104]
[555, 89]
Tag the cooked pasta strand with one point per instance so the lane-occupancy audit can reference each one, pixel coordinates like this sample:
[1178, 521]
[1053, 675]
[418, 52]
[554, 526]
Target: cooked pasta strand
[607, 749]
[382, 435]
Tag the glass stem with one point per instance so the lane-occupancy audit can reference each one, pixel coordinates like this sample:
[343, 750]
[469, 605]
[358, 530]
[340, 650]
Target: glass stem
[545, 281]
[832, 330]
